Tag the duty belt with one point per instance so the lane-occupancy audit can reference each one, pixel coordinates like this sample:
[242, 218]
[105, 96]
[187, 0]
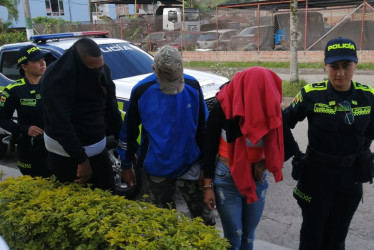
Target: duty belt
[346, 161]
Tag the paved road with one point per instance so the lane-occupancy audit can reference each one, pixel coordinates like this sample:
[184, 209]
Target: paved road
[282, 219]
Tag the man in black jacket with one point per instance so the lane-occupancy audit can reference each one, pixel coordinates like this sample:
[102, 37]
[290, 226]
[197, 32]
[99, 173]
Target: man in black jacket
[80, 109]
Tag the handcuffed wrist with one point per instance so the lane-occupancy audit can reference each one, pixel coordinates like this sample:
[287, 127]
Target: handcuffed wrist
[207, 186]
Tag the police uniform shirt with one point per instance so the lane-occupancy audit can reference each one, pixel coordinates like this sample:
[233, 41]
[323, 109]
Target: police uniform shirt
[26, 99]
[328, 132]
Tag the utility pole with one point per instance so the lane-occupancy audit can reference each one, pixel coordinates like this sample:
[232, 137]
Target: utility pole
[69, 10]
[89, 10]
[294, 70]
[26, 9]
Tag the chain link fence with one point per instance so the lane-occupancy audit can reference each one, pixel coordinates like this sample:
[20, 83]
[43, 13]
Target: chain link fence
[237, 29]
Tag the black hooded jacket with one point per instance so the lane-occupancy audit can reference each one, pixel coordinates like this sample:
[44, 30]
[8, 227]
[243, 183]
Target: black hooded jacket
[80, 106]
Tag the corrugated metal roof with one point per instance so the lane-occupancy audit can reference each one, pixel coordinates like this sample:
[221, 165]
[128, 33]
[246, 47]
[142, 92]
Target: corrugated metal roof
[285, 4]
[137, 1]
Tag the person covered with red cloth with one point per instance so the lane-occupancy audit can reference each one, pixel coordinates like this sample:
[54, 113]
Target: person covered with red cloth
[244, 138]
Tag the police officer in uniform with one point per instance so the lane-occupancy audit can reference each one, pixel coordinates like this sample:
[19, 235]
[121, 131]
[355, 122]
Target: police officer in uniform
[24, 96]
[341, 127]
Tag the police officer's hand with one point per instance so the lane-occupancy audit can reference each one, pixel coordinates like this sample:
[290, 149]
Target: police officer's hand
[128, 176]
[84, 172]
[34, 131]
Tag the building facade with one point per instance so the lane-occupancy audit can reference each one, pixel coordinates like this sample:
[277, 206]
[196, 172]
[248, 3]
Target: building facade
[68, 10]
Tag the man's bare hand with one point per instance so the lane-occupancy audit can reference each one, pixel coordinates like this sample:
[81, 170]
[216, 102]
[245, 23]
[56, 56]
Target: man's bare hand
[210, 198]
[259, 168]
[34, 131]
[128, 176]
[84, 172]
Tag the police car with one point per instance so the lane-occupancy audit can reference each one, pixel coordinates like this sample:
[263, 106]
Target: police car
[129, 64]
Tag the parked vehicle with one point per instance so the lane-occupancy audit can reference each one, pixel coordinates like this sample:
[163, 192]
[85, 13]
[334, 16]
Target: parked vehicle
[252, 39]
[173, 16]
[215, 40]
[187, 41]
[156, 40]
[315, 30]
[128, 63]
[353, 29]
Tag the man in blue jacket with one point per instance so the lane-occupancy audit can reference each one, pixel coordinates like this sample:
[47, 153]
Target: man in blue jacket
[171, 108]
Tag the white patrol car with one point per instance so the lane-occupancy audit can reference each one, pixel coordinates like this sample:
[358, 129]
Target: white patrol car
[129, 64]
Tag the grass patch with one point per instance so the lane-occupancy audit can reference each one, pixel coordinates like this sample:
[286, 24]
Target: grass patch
[203, 64]
[290, 89]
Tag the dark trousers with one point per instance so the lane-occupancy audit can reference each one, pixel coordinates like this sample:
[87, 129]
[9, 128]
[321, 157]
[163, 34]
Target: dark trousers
[328, 198]
[162, 194]
[32, 157]
[65, 170]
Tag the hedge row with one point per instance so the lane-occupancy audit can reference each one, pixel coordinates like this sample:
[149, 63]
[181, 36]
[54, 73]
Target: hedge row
[37, 213]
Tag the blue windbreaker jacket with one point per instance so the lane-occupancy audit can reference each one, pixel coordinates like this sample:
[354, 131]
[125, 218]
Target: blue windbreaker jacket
[172, 128]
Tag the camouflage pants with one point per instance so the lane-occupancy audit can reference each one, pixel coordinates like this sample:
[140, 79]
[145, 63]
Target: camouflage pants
[162, 194]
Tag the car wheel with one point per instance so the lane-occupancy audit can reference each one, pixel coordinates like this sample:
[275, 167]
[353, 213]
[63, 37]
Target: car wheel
[250, 48]
[279, 48]
[121, 187]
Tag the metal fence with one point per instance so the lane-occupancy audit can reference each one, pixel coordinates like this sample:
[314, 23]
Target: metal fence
[239, 29]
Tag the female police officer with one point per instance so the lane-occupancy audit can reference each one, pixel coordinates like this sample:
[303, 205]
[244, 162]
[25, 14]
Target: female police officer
[23, 95]
[341, 128]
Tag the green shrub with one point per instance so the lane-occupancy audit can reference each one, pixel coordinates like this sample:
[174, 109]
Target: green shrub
[12, 37]
[37, 213]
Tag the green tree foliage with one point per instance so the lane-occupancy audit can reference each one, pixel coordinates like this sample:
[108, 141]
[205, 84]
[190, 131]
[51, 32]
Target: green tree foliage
[49, 23]
[12, 37]
[192, 4]
[11, 6]
[45, 214]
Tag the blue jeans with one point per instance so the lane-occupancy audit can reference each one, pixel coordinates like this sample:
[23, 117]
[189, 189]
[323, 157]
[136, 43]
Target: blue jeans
[239, 219]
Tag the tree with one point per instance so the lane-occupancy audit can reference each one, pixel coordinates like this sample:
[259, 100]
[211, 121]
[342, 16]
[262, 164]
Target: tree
[11, 6]
[192, 4]
[294, 70]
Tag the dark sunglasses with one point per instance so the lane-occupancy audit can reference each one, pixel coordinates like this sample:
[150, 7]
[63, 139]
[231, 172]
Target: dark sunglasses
[349, 117]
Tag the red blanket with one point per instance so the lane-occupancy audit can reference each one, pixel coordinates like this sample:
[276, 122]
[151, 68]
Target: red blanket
[254, 95]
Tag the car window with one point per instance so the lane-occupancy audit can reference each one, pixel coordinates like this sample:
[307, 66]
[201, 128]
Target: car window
[228, 35]
[191, 16]
[187, 37]
[155, 37]
[126, 60]
[171, 36]
[9, 65]
[246, 31]
[208, 37]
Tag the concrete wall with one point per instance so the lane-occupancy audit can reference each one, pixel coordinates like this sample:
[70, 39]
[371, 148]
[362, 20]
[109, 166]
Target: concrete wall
[364, 56]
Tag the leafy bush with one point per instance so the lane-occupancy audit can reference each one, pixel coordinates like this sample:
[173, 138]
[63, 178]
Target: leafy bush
[12, 37]
[37, 213]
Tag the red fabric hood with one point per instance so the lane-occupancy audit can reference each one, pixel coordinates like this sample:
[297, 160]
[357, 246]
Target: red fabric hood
[254, 95]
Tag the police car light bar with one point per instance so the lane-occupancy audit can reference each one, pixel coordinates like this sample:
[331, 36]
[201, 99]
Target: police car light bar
[45, 37]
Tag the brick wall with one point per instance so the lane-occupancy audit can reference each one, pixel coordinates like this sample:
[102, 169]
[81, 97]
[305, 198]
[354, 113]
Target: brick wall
[364, 56]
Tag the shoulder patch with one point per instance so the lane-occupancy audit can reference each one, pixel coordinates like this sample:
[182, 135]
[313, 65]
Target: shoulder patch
[19, 82]
[5, 93]
[363, 87]
[316, 86]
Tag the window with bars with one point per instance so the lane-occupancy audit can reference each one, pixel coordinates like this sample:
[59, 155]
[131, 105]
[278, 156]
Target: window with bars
[54, 7]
